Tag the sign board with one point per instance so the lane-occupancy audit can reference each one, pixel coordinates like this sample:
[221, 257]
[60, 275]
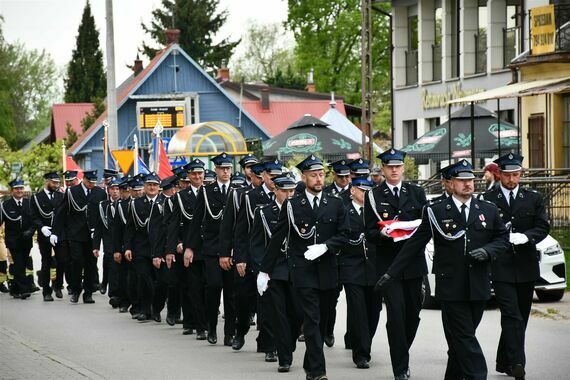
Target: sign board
[543, 30]
[168, 114]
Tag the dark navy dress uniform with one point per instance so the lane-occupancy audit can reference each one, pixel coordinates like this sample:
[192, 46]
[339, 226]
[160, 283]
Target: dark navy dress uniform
[515, 272]
[404, 298]
[126, 289]
[462, 283]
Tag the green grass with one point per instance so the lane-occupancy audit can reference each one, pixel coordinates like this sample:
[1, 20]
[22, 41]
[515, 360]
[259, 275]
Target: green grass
[563, 237]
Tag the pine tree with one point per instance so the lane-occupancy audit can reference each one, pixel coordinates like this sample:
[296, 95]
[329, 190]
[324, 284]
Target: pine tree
[198, 22]
[85, 74]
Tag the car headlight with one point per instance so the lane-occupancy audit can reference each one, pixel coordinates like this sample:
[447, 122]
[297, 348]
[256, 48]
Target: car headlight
[553, 250]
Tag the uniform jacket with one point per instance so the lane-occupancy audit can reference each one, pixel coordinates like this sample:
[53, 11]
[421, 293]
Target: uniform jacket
[328, 226]
[344, 194]
[357, 259]
[104, 226]
[409, 207]
[183, 208]
[205, 227]
[19, 227]
[76, 215]
[527, 215]
[43, 211]
[264, 223]
[120, 224]
[457, 276]
[145, 231]
[229, 220]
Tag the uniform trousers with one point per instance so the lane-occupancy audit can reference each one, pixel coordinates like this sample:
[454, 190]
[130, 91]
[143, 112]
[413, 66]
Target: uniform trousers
[403, 300]
[515, 301]
[316, 305]
[217, 280]
[162, 278]
[133, 288]
[83, 265]
[146, 274]
[118, 282]
[194, 296]
[48, 260]
[21, 282]
[465, 356]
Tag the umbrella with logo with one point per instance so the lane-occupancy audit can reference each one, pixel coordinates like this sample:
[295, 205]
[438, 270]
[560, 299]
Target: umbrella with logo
[311, 135]
[438, 143]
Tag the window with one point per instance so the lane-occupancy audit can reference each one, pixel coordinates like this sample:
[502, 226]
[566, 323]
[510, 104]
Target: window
[436, 47]
[507, 115]
[433, 123]
[566, 131]
[512, 32]
[454, 37]
[410, 131]
[481, 39]
[412, 52]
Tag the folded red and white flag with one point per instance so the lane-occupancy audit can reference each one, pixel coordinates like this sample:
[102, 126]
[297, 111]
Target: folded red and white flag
[399, 230]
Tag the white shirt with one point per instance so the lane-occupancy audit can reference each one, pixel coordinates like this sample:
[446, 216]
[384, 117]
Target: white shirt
[85, 189]
[220, 184]
[279, 205]
[310, 197]
[153, 200]
[458, 204]
[195, 190]
[391, 187]
[48, 193]
[340, 189]
[357, 207]
[266, 189]
[19, 202]
[507, 193]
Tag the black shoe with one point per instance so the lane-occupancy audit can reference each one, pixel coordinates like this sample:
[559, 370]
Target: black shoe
[4, 288]
[200, 335]
[25, 295]
[517, 371]
[87, 298]
[363, 364]
[135, 316]
[402, 376]
[251, 320]
[156, 317]
[123, 309]
[103, 288]
[228, 340]
[178, 321]
[238, 342]
[114, 302]
[74, 298]
[16, 295]
[69, 292]
[284, 368]
[270, 357]
[301, 338]
[35, 288]
[503, 369]
[185, 331]
[171, 321]
[321, 377]
[143, 318]
[58, 293]
[329, 340]
[48, 298]
[212, 338]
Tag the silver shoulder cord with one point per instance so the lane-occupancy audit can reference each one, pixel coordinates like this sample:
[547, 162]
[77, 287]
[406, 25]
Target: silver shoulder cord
[265, 224]
[18, 219]
[103, 216]
[305, 236]
[236, 203]
[182, 209]
[433, 222]
[373, 204]
[138, 220]
[218, 215]
[45, 215]
[122, 215]
[358, 241]
[73, 203]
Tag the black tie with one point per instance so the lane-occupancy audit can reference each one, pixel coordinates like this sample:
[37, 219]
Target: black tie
[463, 212]
[271, 195]
[20, 204]
[396, 194]
[151, 203]
[511, 199]
[224, 190]
[51, 196]
[88, 192]
[360, 210]
[315, 203]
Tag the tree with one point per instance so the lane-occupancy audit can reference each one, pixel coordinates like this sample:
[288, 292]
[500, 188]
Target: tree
[85, 73]
[198, 22]
[28, 87]
[91, 116]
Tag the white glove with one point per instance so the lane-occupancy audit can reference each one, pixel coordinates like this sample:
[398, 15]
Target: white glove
[383, 232]
[53, 240]
[315, 251]
[46, 231]
[92, 232]
[517, 238]
[262, 282]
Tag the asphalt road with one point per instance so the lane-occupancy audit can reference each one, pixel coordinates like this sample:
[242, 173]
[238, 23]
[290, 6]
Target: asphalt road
[59, 340]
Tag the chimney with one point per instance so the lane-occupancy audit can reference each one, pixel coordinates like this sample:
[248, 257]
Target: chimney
[137, 66]
[310, 82]
[265, 98]
[223, 73]
[172, 36]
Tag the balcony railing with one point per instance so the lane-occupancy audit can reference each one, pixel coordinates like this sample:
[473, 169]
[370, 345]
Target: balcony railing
[511, 37]
[411, 67]
[480, 52]
[436, 69]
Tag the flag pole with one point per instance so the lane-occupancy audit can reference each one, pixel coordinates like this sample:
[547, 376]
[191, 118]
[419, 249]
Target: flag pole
[63, 157]
[106, 143]
[136, 154]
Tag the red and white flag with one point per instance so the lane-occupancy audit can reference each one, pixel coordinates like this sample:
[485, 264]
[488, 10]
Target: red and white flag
[399, 230]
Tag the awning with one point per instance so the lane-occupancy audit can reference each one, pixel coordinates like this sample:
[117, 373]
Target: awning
[526, 88]
[207, 139]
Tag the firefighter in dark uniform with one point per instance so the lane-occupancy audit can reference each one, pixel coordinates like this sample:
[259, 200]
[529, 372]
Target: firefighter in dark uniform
[70, 179]
[209, 176]
[108, 176]
[43, 203]
[395, 199]
[204, 234]
[120, 266]
[446, 183]
[283, 315]
[314, 225]
[467, 233]
[15, 213]
[515, 272]
[75, 219]
[144, 242]
[357, 273]
[341, 180]
[246, 268]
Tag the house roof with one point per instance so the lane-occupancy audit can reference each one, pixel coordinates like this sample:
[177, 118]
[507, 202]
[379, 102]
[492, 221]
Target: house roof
[282, 114]
[72, 113]
[249, 90]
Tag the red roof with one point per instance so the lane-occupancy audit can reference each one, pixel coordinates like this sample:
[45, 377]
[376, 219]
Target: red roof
[72, 113]
[282, 114]
[124, 91]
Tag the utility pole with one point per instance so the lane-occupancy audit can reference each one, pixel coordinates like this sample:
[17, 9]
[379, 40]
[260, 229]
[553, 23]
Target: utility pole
[113, 129]
[366, 77]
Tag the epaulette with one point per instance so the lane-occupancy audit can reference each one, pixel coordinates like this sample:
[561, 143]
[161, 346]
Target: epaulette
[413, 184]
[435, 201]
[529, 190]
[486, 201]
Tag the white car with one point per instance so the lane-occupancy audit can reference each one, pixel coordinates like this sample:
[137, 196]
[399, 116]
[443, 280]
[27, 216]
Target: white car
[550, 287]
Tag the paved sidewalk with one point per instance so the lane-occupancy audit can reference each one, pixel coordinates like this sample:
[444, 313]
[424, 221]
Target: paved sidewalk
[21, 359]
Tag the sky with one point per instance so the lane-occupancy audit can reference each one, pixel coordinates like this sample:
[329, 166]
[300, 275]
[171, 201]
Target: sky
[52, 25]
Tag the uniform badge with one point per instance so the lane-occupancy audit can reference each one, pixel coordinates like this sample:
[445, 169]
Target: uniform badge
[448, 207]
[303, 230]
[446, 225]
[477, 206]
[482, 219]
[385, 215]
[454, 226]
[303, 202]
